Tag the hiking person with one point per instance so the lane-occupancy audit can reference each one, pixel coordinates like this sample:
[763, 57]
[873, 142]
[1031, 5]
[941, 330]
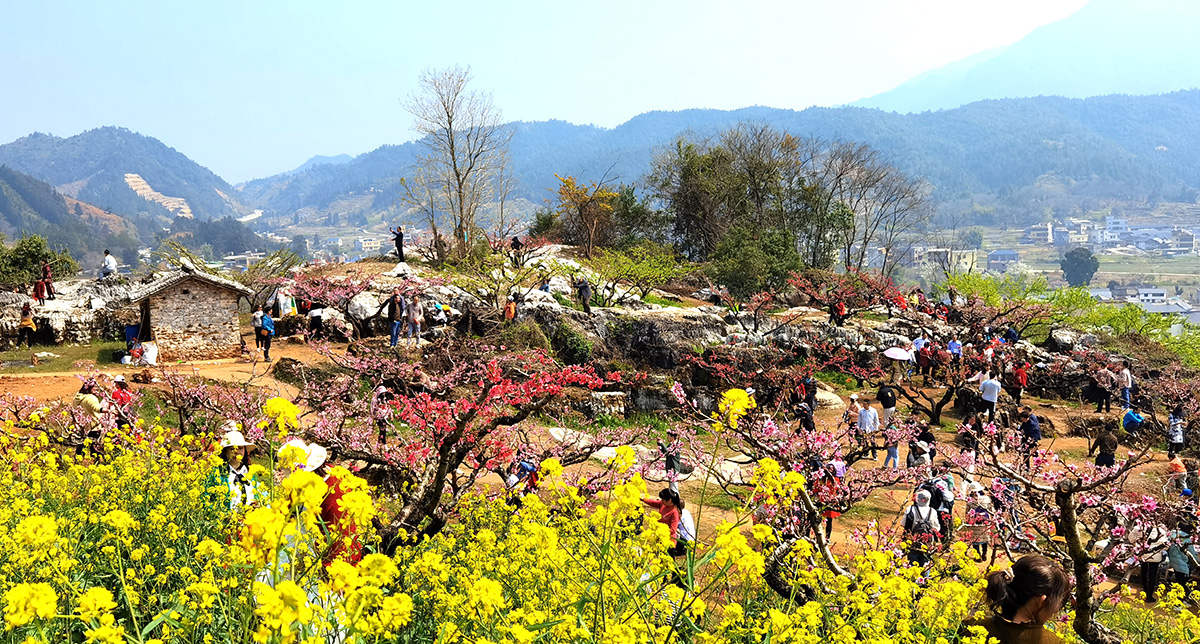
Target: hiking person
[810, 392]
[395, 306]
[415, 314]
[1105, 380]
[398, 240]
[989, 395]
[891, 446]
[39, 292]
[671, 461]
[585, 294]
[26, 327]
[316, 321]
[805, 416]
[1125, 382]
[108, 266]
[979, 519]
[267, 332]
[941, 497]
[1106, 444]
[1175, 423]
[920, 527]
[229, 485]
[256, 325]
[1023, 598]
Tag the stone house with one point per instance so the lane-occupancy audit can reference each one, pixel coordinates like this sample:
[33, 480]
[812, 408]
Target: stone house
[191, 315]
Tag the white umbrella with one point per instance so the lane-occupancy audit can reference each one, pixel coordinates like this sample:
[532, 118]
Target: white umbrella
[897, 353]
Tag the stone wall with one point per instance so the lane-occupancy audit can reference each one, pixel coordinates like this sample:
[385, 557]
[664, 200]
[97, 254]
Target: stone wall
[195, 320]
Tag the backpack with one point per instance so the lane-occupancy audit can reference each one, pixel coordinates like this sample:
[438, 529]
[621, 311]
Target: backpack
[923, 524]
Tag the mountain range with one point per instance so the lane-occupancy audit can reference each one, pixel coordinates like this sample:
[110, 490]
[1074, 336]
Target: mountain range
[1107, 47]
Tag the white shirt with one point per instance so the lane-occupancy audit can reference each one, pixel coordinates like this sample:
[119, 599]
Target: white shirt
[919, 343]
[868, 420]
[256, 320]
[1126, 379]
[989, 390]
[239, 494]
[110, 262]
[687, 526]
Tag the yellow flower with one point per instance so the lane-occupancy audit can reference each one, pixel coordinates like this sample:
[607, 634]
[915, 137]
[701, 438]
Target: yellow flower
[96, 602]
[735, 404]
[306, 489]
[396, 611]
[487, 596]
[36, 532]
[106, 633]
[25, 602]
[120, 520]
[624, 459]
[283, 412]
[377, 569]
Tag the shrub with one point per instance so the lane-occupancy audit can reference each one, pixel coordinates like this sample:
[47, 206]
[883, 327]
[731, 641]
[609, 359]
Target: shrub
[571, 346]
[525, 334]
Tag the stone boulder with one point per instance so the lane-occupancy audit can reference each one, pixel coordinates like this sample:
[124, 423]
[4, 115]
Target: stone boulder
[1062, 340]
[657, 337]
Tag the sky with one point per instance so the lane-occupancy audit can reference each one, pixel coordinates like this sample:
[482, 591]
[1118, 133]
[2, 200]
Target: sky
[252, 88]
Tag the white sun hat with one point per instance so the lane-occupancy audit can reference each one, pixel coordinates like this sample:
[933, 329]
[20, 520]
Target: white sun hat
[234, 438]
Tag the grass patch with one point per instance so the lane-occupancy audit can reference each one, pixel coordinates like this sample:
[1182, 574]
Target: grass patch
[719, 499]
[98, 352]
[662, 301]
[836, 379]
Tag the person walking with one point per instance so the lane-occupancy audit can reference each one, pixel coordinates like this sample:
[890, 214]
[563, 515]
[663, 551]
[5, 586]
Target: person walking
[256, 325]
[989, 395]
[671, 462]
[1105, 381]
[415, 315]
[395, 306]
[1023, 599]
[1125, 382]
[891, 446]
[267, 332]
[1020, 380]
[26, 327]
[108, 266]
[510, 310]
[398, 240]
[921, 527]
[1106, 444]
[1175, 425]
[1031, 434]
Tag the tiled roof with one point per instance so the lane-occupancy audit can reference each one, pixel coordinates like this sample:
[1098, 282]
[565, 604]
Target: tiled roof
[164, 281]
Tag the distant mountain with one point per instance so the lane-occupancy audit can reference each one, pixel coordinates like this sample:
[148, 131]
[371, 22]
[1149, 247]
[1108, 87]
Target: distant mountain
[1128, 147]
[323, 160]
[30, 206]
[1108, 47]
[124, 172]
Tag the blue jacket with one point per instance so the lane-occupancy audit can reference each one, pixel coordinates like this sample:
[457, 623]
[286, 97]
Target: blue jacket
[268, 325]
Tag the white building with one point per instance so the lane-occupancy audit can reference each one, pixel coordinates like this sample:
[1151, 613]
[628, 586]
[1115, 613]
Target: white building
[368, 244]
[1151, 295]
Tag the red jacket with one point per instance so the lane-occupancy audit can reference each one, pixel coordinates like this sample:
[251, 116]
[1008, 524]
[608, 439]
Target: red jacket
[1021, 377]
[668, 515]
[339, 525]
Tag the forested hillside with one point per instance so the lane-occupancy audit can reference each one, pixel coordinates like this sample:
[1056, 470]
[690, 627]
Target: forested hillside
[92, 166]
[30, 206]
[1125, 147]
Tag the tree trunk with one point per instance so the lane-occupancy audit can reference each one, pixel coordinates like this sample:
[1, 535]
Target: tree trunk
[1085, 600]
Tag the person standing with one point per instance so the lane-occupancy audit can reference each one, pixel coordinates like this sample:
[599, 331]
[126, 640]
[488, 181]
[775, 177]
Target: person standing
[1156, 541]
[398, 239]
[108, 266]
[316, 321]
[267, 332]
[1031, 434]
[585, 294]
[48, 278]
[1180, 555]
[1105, 381]
[891, 445]
[93, 415]
[921, 527]
[344, 542]
[415, 315]
[1125, 381]
[868, 427]
[256, 325]
[887, 401]
[1175, 424]
[395, 311]
[671, 462]
[510, 310]
[989, 395]
[955, 348]
[810, 393]
[1106, 444]
[26, 327]
[39, 292]
[826, 490]
[1020, 380]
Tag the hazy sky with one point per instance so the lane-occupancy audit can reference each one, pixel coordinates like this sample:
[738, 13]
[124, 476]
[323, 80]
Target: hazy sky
[254, 87]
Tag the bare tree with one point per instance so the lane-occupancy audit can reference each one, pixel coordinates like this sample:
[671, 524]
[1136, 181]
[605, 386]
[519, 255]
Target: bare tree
[465, 144]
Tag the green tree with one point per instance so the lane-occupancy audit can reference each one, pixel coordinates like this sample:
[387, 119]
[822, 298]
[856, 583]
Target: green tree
[749, 261]
[640, 268]
[1079, 265]
[21, 263]
[972, 238]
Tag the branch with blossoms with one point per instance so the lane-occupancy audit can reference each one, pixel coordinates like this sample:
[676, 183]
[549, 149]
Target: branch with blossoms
[857, 290]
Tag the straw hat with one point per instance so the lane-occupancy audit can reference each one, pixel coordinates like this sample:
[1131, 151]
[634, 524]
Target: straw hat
[234, 438]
